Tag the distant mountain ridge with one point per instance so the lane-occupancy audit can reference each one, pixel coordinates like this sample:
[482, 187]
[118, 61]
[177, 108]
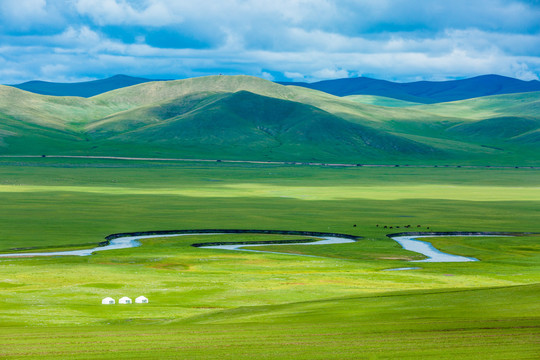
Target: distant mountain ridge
[82, 89]
[425, 92]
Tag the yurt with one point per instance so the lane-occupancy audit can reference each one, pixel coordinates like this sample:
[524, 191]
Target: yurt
[141, 300]
[124, 300]
[107, 301]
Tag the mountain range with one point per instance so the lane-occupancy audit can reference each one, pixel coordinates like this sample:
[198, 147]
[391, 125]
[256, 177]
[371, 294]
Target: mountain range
[424, 92]
[248, 118]
[83, 89]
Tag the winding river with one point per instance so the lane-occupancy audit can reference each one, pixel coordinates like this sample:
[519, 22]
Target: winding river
[120, 243]
[327, 240]
[408, 242]
[412, 243]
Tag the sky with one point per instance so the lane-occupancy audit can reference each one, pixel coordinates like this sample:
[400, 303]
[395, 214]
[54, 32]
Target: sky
[281, 40]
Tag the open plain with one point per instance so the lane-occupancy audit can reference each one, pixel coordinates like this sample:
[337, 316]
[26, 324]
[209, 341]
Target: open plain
[211, 303]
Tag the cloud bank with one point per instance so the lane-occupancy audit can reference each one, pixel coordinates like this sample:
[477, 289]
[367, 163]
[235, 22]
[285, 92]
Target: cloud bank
[301, 40]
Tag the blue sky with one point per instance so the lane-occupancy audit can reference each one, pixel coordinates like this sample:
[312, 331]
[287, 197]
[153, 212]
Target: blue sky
[298, 40]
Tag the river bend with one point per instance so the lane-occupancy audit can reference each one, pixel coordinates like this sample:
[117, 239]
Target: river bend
[408, 242]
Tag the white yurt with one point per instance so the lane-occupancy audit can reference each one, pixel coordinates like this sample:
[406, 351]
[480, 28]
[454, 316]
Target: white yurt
[124, 300]
[107, 301]
[141, 300]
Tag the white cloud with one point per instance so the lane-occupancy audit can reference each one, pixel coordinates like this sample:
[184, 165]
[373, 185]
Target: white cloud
[54, 70]
[81, 49]
[121, 12]
[267, 76]
[227, 12]
[23, 13]
[304, 40]
[21, 10]
[330, 74]
[295, 76]
[521, 71]
[73, 38]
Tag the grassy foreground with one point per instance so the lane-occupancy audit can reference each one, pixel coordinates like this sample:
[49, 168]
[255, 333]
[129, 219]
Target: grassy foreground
[231, 305]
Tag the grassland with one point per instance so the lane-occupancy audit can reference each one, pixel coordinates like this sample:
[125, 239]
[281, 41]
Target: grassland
[380, 101]
[231, 305]
[246, 118]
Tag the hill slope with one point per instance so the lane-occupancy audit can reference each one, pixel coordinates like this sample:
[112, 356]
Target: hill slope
[523, 104]
[426, 92]
[380, 101]
[155, 92]
[253, 126]
[249, 118]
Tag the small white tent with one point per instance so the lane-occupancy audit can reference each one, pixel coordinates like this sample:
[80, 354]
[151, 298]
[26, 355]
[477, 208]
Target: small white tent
[141, 300]
[107, 301]
[124, 300]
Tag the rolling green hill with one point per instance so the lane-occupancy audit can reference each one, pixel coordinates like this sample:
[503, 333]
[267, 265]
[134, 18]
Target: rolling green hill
[522, 104]
[531, 137]
[242, 117]
[420, 92]
[153, 93]
[498, 128]
[244, 121]
[380, 101]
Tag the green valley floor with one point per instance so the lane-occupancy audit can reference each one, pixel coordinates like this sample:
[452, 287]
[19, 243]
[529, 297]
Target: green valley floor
[209, 304]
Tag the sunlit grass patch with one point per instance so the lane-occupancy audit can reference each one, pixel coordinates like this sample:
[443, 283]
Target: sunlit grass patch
[218, 303]
[395, 192]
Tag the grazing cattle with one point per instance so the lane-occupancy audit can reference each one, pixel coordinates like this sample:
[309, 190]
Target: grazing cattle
[377, 225]
[418, 226]
[385, 227]
[354, 225]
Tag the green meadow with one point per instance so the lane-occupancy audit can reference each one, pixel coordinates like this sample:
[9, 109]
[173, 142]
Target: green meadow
[339, 302]
[247, 118]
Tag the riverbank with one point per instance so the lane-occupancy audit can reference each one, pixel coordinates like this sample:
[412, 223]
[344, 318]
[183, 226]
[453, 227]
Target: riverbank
[407, 240]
